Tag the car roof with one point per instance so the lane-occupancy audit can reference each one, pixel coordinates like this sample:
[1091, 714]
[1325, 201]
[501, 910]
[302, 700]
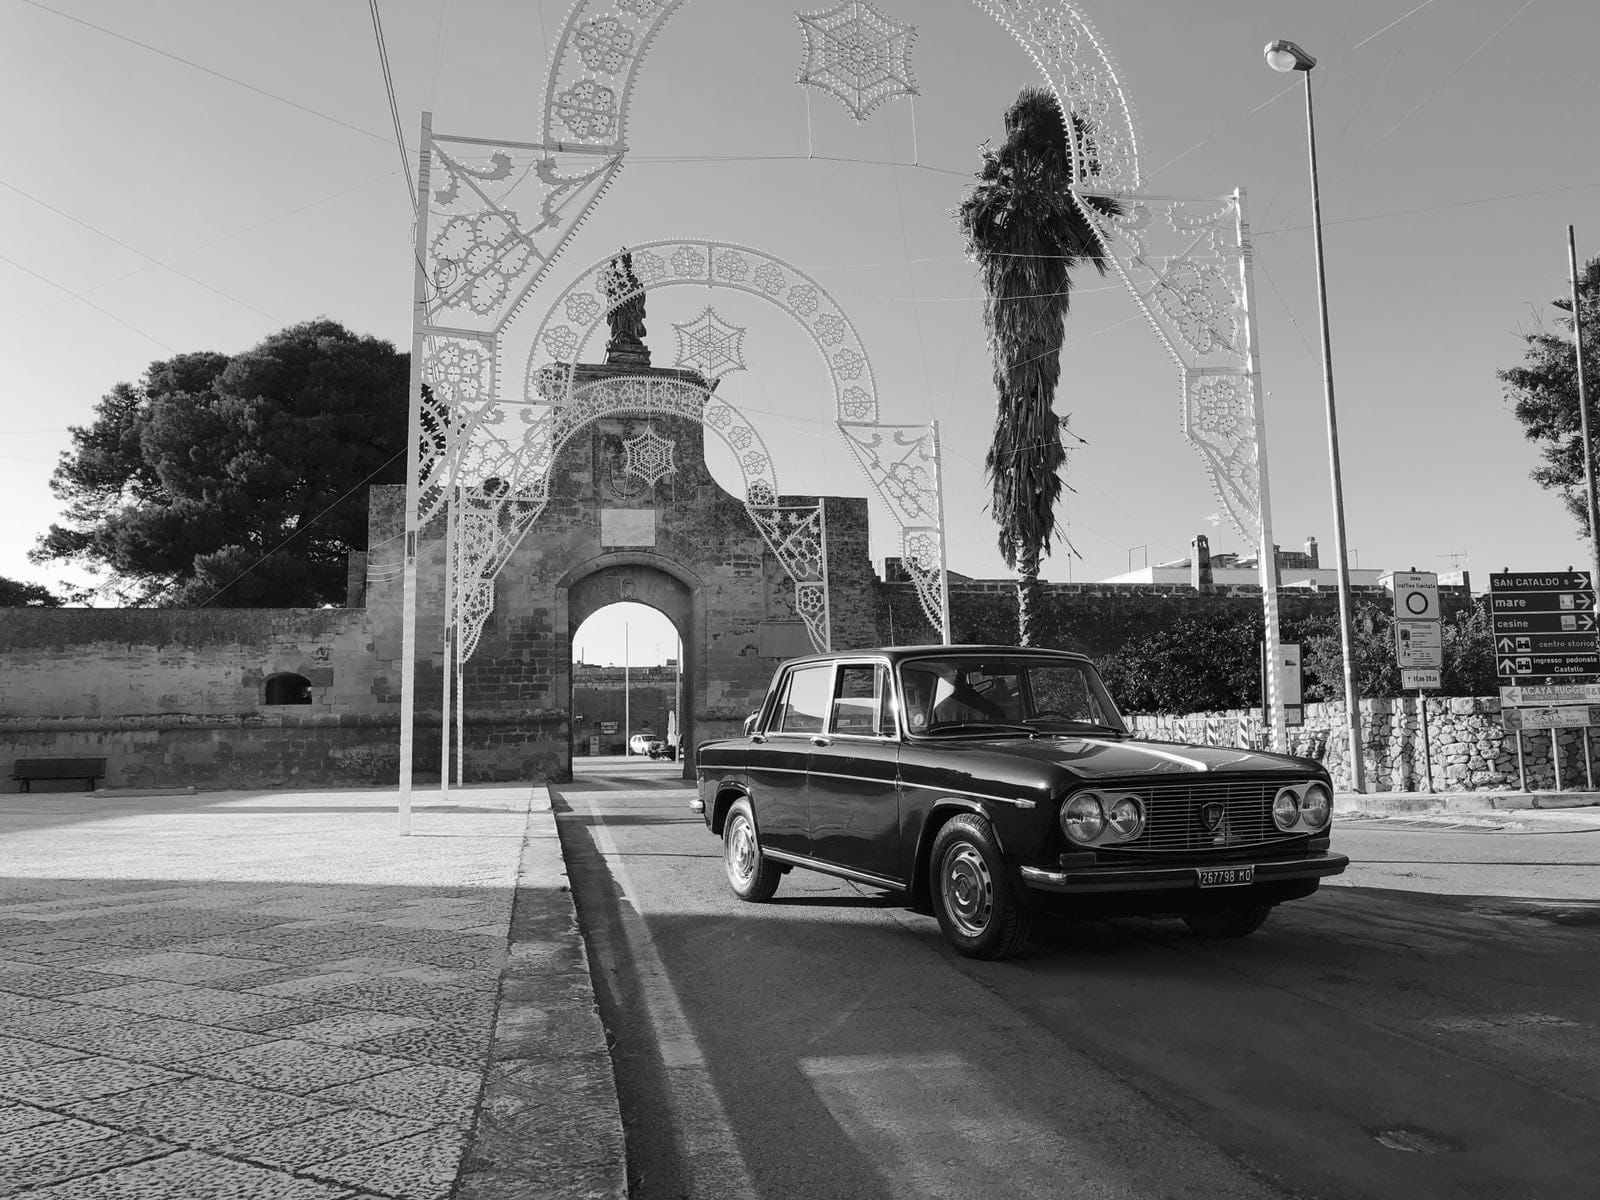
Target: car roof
[897, 654]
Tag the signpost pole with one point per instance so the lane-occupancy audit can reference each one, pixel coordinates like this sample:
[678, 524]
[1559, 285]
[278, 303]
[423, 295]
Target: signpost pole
[1427, 747]
[1583, 416]
[1522, 769]
[1588, 762]
[1555, 754]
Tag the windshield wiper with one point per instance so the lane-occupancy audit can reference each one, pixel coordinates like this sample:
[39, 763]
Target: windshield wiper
[948, 726]
[1077, 727]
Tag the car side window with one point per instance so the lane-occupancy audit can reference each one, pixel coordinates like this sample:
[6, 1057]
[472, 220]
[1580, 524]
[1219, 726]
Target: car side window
[863, 701]
[805, 700]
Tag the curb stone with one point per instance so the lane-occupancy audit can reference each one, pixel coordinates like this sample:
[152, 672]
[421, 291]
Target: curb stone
[548, 1126]
[1411, 803]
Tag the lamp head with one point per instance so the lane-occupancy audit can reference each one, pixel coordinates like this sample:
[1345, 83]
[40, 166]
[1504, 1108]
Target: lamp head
[1285, 56]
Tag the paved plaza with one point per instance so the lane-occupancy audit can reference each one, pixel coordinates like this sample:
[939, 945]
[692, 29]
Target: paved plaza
[248, 994]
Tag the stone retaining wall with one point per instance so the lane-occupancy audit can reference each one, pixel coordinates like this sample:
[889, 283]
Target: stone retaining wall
[1469, 747]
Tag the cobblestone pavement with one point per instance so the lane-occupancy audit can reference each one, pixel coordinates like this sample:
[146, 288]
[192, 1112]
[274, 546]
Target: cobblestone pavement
[265, 995]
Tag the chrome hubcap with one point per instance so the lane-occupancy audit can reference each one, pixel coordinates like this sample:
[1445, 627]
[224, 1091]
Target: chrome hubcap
[741, 850]
[967, 890]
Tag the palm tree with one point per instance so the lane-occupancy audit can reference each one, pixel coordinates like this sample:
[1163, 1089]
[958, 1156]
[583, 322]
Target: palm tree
[1027, 234]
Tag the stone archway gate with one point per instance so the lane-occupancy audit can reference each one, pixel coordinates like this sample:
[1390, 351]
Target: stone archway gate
[501, 211]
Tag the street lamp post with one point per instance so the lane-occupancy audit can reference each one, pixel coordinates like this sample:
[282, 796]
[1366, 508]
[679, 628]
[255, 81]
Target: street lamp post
[1285, 56]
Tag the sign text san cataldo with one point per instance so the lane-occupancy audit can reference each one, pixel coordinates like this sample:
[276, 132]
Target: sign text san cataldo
[1543, 626]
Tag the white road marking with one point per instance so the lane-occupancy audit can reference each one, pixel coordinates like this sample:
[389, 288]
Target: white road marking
[935, 1131]
[711, 1154]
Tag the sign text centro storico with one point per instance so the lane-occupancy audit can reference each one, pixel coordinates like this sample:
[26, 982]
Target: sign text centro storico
[1543, 627]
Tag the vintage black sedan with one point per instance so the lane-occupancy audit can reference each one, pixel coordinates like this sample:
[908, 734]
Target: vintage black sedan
[991, 783]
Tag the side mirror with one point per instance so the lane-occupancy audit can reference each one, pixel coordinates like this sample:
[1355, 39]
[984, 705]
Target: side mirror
[750, 723]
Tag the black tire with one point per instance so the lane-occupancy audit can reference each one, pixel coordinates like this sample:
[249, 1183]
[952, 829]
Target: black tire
[751, 876]
[1227, 922]
[971, 893]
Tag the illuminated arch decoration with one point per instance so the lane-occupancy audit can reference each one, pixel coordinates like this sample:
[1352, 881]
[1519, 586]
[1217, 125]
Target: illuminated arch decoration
[857, 55]
[900, 461]
[492, 514]
[503, 211]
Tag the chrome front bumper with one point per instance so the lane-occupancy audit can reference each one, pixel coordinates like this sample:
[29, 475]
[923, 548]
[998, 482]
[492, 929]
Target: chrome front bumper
[1174, 878]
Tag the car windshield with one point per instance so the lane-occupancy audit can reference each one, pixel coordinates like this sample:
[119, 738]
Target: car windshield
[956, 694]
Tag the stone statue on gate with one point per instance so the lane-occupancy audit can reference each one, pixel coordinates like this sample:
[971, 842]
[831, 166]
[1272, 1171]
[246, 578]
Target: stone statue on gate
[625, 347]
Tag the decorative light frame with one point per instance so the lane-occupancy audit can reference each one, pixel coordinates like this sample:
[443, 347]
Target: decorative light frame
[484, 262]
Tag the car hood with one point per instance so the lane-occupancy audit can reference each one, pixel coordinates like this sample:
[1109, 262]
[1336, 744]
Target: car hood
[1105, 758]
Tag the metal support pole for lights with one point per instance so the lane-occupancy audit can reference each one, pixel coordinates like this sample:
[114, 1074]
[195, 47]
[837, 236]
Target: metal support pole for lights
[1583, 416]
[1285, 56]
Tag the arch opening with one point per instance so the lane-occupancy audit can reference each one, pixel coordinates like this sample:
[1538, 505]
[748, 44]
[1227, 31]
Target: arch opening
[286, 687]
[627, 684]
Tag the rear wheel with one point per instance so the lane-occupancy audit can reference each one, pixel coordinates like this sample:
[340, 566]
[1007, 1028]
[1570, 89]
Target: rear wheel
[750, 875]
[1227, 922]
[971, 894]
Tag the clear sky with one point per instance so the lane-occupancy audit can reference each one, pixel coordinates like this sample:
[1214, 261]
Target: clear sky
[186, 175]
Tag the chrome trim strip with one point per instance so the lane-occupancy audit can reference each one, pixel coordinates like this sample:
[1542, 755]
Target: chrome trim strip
[828, 868]
[1018, 803]
[927, 787]
[853, 778]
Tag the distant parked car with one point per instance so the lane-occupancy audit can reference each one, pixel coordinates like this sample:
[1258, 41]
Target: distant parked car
[646, 743]
[991, 783]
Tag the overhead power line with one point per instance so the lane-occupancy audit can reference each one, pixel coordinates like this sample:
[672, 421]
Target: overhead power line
[150, 258]
[122, 37]
[394, 108]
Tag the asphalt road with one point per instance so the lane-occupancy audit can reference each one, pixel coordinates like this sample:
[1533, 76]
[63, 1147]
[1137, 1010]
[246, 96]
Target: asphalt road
[1380, 1039]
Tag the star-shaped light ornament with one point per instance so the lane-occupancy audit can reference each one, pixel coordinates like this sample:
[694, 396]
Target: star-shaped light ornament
[857, 54]
[710, 345]
[648, 456]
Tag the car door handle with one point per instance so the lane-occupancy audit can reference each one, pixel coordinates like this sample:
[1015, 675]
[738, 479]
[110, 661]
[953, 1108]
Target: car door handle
[818, 740]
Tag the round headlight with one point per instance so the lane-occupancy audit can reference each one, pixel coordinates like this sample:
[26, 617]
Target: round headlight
[1316, 806]
[1285, 809]
[1125, 819]
[1082, 818]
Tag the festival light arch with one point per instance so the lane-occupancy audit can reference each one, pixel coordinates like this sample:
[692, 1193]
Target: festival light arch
[1185, 260]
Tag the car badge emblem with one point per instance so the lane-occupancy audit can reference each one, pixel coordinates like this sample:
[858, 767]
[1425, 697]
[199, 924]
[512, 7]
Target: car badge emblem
[1211, 815]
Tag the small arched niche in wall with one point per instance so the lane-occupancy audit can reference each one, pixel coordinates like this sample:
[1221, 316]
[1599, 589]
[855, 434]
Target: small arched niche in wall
[286, 688]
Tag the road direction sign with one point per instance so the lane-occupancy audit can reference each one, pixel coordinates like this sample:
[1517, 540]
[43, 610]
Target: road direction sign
[1416, 595]
[1549, 695]
[1550, 581]
[1572, 717]
[1421, 679]
[1545, 622]
[1544, 625]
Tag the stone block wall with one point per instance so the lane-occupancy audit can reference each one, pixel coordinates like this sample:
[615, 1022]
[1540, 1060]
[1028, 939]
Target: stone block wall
[177, 696]
[1469, 746]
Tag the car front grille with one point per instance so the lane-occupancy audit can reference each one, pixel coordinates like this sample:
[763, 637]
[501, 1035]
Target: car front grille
[1175, 816]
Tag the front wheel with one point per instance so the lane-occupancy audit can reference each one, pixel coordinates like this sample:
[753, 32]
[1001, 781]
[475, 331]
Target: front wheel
[971, 894]
[750, 874]
[1227, 922]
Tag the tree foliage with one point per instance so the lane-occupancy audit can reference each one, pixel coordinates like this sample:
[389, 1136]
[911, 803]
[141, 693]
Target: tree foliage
[16, 594]
[1213, 663]
[1469, 663]
[1028, 233]
[236, 480]
[1195, 664]
[1543, 392]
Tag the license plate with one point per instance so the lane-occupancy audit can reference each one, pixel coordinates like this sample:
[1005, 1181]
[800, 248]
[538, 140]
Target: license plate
[1226, 876]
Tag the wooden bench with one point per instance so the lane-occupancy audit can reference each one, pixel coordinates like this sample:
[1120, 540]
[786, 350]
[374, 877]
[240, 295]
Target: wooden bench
[26, 770]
